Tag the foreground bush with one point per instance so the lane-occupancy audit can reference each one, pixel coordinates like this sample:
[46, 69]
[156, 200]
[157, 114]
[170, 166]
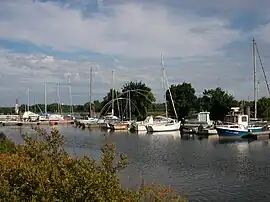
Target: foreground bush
[43, 171]
[6, 145]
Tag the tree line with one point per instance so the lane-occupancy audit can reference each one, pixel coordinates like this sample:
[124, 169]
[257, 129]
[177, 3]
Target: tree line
[136, 100]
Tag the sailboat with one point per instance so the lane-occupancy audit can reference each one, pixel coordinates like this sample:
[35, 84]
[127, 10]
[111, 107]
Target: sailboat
[110, 118]
[170, 124]
[239, 124]
[119, 124]
[28, 115]
[90, 120]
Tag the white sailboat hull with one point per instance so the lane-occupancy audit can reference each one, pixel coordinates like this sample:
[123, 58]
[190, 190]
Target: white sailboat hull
[164, 127]
[141, 127]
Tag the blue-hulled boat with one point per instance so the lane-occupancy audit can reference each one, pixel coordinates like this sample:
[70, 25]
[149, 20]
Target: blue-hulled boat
[236, 125]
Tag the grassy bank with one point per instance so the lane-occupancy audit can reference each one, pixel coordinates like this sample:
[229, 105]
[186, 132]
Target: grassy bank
[43, 171]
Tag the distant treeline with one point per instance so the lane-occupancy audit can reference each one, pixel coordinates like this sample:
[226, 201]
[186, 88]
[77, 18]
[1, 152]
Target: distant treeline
[142, 103]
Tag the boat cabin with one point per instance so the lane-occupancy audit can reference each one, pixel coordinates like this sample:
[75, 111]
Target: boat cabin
[236, 118]
[204, 117]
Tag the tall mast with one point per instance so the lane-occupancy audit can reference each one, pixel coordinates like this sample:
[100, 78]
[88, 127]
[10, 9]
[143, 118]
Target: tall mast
[163, 83]
[129, 104]
[167, 83]
[58, 97]
[112, 93]
[254, 77]
[70, 95]
[90, 90]
[28, 99]
[45, 98]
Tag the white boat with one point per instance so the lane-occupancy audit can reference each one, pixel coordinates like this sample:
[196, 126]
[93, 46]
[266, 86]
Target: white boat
[170, 124]
[207, 126]
[88, 121]
[107, 120]
[30, 116]
[236, 125]
[150, 120]
[55, 117]
[141, 125]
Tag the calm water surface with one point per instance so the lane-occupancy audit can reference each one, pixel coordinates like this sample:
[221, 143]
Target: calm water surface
[202, 170]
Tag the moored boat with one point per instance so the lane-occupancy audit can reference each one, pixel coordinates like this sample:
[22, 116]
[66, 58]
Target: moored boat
[119, 126]
[236, 125]
[171, 125]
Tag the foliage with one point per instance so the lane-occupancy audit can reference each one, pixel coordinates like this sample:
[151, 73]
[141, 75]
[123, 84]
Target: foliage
[140, 95]
[6, 145]
[43, 171]
[263, 107]
[184, 99]
[106, 104]
[217, 102]
[141, 99]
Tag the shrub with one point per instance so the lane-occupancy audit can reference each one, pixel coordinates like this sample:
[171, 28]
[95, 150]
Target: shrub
[43, 171]
[6, 145]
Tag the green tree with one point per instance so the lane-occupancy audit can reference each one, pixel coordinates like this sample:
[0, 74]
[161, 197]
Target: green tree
[141, 97]
[263, 108]
[106, 104]
[184, 99]
[217, 102]
[96, 106]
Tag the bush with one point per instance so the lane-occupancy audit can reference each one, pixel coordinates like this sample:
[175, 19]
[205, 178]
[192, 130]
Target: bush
[43, 171]
[6, 145]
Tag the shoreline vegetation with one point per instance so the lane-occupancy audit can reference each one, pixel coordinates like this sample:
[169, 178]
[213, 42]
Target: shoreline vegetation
[186, 100]
[43, 171]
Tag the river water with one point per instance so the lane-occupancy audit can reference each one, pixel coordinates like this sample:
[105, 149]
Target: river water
[199, 169]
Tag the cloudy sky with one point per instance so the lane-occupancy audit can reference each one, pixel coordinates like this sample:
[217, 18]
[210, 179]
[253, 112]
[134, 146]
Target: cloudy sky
[207, 43]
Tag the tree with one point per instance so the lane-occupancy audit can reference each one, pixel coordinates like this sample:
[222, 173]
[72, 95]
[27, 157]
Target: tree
[263, 107]
[184, 99]
[106, 104]
[141, 97]
[218, 103]
[86, 107]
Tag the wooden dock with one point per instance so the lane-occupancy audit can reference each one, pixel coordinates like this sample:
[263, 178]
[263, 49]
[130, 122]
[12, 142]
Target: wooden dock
[256, 135]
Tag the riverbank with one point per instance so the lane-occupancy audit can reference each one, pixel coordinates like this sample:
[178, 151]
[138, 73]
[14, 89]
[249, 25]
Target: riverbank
[47, 172]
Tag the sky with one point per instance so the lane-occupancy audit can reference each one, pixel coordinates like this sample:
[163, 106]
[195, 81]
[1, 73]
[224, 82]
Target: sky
[207, 43]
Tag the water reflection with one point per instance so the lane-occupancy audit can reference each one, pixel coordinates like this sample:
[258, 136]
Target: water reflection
[203, 169]
[174, 134]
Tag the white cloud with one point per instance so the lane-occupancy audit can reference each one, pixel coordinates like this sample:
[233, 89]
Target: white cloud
[131, 30]
[22, 71]
[263, 32]
[137, 34]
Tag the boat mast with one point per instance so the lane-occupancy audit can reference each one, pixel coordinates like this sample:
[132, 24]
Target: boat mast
[112, 93]
[163, 84]
[254, 78]
[167, 82]
[70, 95]
[90, 91]
[58, 97]
[28, 99]
[129, 105]
[45, 98]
